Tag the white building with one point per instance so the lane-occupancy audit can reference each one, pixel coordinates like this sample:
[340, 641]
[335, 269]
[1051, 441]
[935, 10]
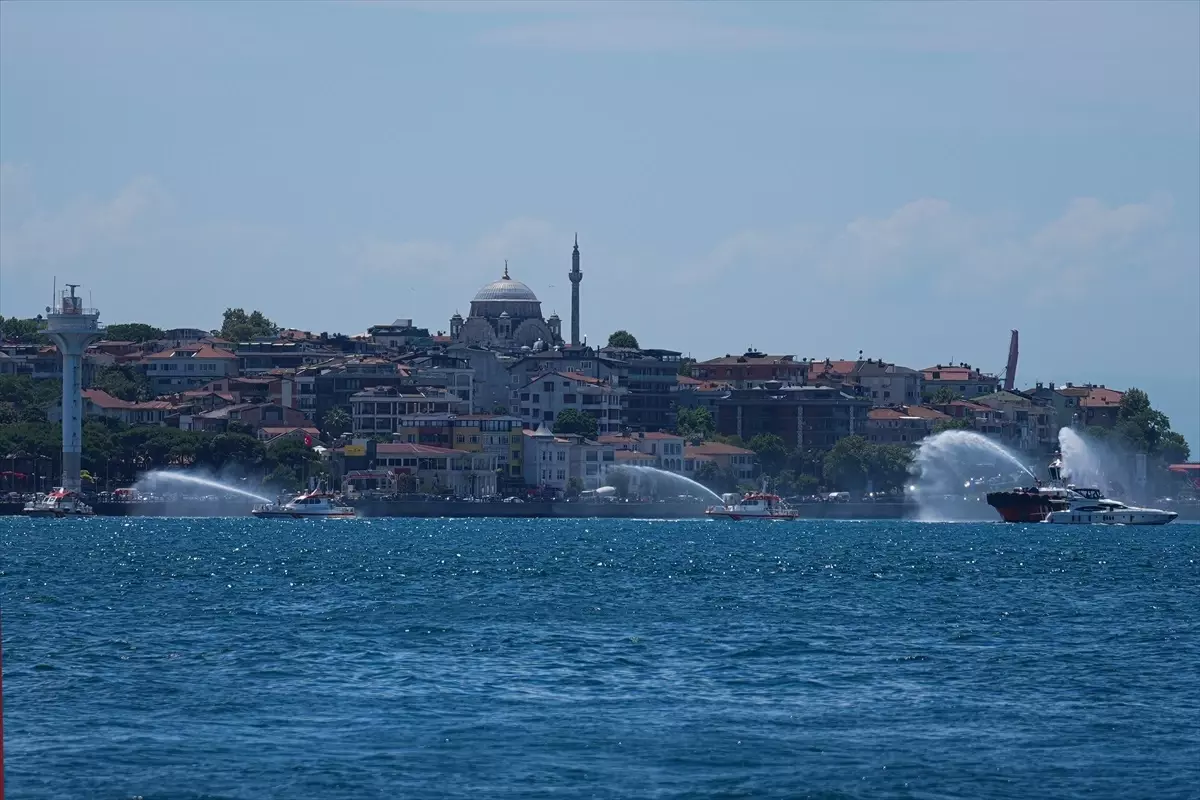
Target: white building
[541, 400]
[182, 368]
[551, 461]
[664, 450]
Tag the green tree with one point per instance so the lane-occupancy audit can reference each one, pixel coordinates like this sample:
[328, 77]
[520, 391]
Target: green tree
[574, 486]
[622, 338]
[686, 365]
[293, 463]
[335, 422]
[848, 463]
[22, 331]
[132, 332]
[31, 399]
[771, 452]
[952, 425]
[500, 410]
[238, 326]
[695, 423]
[573, 421]
[405, 483]
[123, 381]
[944, 396]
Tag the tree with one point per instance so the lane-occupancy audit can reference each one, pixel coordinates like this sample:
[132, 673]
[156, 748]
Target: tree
[847, 464]
[952, 425]
[500, 410]
[579, 423]
[238, 326]
[294, 463]
[574, 486]
[686, 365]
[623, 338]
[770, 451]
[132, 332]
[31, 399]
[406, 483]
[695, 423]
[123, 382]
[336, 422]
[944, 396]
[22, 331]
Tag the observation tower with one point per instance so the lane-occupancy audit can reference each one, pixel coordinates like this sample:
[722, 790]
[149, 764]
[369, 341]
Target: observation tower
[72, 328]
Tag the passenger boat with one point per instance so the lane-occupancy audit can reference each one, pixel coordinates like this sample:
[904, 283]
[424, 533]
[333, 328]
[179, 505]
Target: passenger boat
[1083, 510]
[59, 503]
[317, 504]
[753, 505]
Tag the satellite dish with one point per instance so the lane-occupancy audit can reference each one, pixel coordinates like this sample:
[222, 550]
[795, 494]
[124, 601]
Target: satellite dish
[47, 309]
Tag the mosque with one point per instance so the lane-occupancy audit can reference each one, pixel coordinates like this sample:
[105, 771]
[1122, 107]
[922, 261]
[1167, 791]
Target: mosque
[507, 315]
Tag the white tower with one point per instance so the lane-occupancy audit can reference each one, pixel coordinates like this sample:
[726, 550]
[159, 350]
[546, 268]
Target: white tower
[72, 327]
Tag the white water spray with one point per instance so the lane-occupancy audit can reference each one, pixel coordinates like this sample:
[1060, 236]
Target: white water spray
[953, 469]
[1085, 463]
[671, 477]
[196, 480]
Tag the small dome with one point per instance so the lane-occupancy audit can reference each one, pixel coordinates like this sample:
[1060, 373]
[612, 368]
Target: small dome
[504, 315]
[506, 289]
[554, 316]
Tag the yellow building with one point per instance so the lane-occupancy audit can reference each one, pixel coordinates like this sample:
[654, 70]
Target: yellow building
[496, 435]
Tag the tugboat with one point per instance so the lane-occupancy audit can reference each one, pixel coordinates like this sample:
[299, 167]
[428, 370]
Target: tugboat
[59, 503]
[753, 505]
[309, 504]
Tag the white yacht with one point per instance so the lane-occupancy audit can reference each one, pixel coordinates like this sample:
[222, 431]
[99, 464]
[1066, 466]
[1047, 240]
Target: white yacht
[59, 503]
[753, 505]
[1088, 508]
[309, 504]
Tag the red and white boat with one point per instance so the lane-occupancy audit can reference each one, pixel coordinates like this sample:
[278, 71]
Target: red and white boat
[314, 504]
[753, 505]
[59, 503]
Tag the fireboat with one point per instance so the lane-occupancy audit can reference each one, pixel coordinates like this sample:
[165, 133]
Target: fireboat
[753, 505]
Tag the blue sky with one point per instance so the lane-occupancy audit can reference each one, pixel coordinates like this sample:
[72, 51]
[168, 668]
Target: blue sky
[908, 180]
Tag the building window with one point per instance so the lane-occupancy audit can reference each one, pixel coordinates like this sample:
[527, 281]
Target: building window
[562, 475]
[548, 386]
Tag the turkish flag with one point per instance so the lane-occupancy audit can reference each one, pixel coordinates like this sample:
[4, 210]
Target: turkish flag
[307, 440]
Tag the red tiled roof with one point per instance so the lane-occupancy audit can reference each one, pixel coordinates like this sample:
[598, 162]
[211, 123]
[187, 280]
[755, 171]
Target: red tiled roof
[925, 413]
[886, 413]
[688, 380]
[194, 351]
[716, 449]
[102, 399]
[1099, 397]
[955, 374]
[744, 359]
[971, 406]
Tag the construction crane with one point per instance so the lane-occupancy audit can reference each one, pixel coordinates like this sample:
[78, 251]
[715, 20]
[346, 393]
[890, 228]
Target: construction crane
[1010, 371]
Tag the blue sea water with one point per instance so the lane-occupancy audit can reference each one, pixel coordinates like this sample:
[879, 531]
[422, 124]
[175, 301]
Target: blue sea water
[239, 658]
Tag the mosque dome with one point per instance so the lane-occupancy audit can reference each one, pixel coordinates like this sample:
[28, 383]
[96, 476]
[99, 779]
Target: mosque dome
[506, 289]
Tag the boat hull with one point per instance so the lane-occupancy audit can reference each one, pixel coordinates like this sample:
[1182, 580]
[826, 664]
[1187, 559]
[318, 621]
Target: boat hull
[1022, 506]
[349, 514]
[56, 514]
[736, 515]
[1120, 517]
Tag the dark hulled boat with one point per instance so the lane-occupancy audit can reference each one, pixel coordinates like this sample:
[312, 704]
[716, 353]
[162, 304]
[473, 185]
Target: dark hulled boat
[1034, 503]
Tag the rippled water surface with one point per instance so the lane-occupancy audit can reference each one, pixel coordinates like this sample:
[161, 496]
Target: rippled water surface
[598, 659]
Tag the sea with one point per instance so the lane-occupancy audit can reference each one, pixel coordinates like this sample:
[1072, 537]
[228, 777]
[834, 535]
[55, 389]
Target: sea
[437, 659]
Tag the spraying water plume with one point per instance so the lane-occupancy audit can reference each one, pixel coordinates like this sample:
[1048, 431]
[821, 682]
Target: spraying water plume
[150, 478]
[671, 477]
[1090, 463]
[950, 470]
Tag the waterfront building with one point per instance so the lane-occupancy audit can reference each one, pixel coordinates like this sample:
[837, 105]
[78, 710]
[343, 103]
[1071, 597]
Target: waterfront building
[752, 369]
[651, 377]
[497, 435]
[886, 384]
[379, 410]
[179, 369]
[729, 459]
[378, 467]
[551, 460]
[803, 416]
[656, 448]
[542, 399]
[962, 379]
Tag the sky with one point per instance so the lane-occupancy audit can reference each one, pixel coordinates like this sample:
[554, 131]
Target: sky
[908, 180]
